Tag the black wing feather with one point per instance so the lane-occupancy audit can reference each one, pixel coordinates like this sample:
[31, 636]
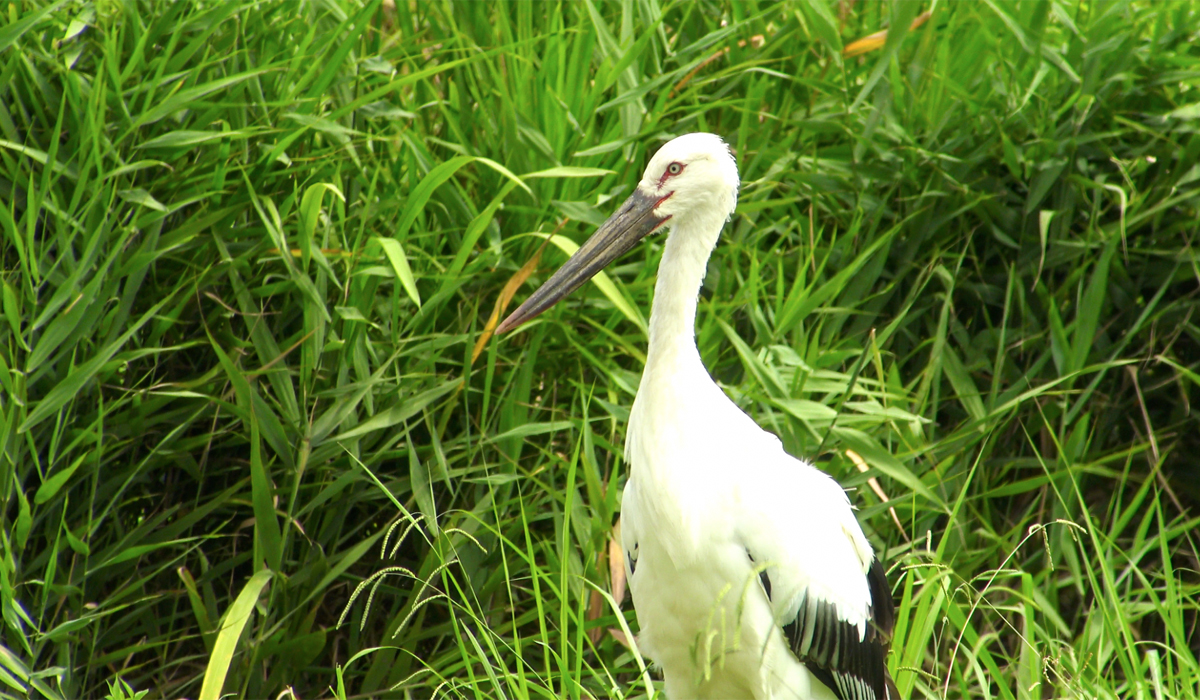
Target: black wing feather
[853, 668]
[762, 576]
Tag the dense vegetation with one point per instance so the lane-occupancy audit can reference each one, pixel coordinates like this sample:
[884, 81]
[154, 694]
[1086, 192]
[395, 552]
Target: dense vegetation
[255, 434]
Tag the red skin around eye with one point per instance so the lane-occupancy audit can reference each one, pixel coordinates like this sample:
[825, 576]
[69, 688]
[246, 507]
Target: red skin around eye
[667, 174]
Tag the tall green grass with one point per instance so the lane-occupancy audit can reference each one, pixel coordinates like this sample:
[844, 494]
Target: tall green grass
[246, 444]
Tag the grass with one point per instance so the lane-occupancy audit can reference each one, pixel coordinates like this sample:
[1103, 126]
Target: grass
[255, 439]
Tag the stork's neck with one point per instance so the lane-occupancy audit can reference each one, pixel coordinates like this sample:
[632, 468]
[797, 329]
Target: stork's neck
[673, 316]
[673, 442]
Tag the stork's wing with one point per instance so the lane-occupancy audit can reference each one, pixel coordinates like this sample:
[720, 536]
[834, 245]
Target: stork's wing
[825, 585]
[853, 665]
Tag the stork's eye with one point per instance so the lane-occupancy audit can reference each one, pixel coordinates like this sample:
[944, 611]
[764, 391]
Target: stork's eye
[674, 168]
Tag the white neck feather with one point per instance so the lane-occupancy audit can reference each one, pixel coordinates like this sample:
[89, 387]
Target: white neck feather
[678, 407]
[680, 274]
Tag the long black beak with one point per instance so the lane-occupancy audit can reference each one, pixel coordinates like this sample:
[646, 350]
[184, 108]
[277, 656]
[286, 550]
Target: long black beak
[635, 220]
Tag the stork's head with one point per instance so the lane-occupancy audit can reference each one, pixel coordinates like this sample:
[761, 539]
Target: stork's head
[690, 184]
[693, 175]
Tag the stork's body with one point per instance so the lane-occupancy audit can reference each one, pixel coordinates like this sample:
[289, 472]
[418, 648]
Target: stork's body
[750, 576]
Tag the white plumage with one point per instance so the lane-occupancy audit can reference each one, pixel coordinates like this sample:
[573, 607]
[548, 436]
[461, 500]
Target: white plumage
[750, 576]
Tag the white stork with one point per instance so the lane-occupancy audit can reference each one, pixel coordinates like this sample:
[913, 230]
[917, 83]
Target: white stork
[750, 575]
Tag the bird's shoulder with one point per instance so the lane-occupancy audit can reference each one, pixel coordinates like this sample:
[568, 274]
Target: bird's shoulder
[785, 489]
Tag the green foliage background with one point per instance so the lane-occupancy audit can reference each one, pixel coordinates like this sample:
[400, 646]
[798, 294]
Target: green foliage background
[248, 250]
